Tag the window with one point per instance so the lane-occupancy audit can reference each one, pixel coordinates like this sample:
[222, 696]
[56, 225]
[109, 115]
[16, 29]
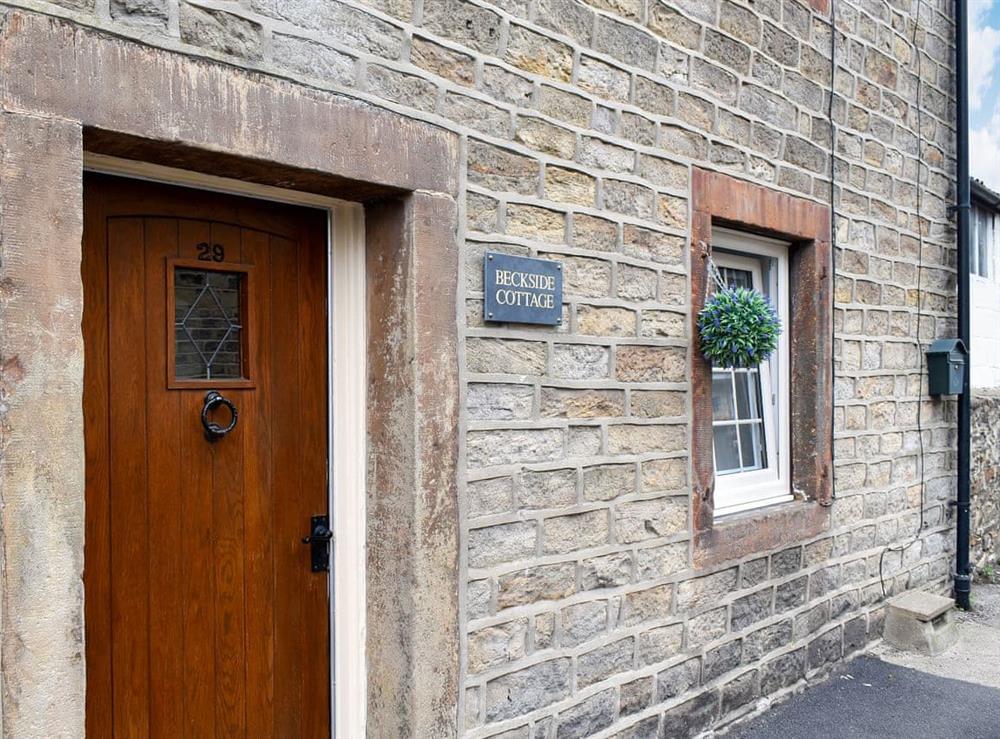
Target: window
[207, 324]
[750, 405]
[984, 235]
[209, 317]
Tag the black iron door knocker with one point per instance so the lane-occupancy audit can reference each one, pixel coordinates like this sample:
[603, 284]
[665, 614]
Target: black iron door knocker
[213, 430]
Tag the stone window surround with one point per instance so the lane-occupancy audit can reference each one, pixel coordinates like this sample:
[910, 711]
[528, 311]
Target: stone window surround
[726, 201]
[193, 114]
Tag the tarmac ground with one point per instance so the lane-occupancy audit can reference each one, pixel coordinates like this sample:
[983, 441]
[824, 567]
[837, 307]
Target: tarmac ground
[888, 694]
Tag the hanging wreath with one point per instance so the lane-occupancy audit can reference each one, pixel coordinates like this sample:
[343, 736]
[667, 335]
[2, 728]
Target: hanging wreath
[738, 327]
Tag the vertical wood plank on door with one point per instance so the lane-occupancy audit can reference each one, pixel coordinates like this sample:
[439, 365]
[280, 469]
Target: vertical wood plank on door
[164, 566]
[259, 502]
[230, 604]
[97, 547]
[129, 514]
[197, 542]
[291, 523]
[313, 455]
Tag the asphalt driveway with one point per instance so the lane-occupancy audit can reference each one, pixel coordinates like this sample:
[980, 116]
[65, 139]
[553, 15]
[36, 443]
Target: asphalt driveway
[872, 699]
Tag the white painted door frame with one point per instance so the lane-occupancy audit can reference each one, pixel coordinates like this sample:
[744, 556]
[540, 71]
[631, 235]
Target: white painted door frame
[347, 367]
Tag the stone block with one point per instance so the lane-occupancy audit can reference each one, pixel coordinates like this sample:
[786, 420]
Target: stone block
[543, 136]
[783, 671]
[663, 561]
[576, 531]
[705, 590]
[636, 283]
[750, 609]
[499, 402]
[722, 659]
[583, 621]
[606, 571]
[588, 717]
[580, 361]
[650, 364]
[688, 718]
[496, 645]
[468, 24]
[706, 628]
[651, 604]
[659, 645]
[642, 520]
[501, 169]
[626, 43]
[539, 54]
[513, 446]
[545, 582]
[740, 691]
[826, 648]
[919, 621]
[313, 59]
[643, 438]
[635, 695]
[604, 80]
[763, 641]
[506, 542]
[517, 693]
[223, 32]
[606, 482]
[570, 186]
[603, 662]
[677, 680]
[547, 489]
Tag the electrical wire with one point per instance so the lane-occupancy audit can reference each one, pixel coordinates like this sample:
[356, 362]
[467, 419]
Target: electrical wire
[920, 302]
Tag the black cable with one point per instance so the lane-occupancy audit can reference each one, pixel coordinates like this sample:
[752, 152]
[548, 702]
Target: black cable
[920, 300]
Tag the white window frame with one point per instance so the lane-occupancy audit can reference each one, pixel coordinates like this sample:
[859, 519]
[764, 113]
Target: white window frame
[742, 491]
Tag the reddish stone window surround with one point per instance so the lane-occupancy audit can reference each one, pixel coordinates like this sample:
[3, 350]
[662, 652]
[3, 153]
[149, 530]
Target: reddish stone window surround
[723, 200]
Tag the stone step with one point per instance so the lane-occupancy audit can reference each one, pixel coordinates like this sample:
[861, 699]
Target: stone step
[918, 621]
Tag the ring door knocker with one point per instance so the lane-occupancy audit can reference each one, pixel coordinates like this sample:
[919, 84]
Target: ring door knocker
[213, 430]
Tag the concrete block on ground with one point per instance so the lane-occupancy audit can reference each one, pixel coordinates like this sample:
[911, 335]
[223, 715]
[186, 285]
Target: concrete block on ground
[921, 622]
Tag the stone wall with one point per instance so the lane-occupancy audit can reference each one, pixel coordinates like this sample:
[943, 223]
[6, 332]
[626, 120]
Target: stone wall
[580, 123]
[985, 544]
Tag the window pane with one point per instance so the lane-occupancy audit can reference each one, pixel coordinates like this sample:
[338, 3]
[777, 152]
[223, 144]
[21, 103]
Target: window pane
[982, 234]
[752, 443]
[748, 395]
[207, 327]
[727, 453]
[722, 397]
[736, 277]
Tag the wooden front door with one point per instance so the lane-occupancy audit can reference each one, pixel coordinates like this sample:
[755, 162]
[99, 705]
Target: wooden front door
[204, 617]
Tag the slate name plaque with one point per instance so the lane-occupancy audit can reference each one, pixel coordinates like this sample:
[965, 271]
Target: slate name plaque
[522, 290]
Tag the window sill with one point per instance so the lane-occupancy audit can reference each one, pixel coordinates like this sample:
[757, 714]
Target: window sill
[756, 505]
[758, 530]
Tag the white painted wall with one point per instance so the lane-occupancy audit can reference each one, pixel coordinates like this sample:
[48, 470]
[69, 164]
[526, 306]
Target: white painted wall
[985, 332]
[985, 284]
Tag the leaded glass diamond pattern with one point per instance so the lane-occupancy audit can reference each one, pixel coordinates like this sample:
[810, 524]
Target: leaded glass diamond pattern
[207, 325]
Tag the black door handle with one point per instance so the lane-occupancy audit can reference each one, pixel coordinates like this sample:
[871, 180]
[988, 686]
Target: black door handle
[214, 431]
[319, 540]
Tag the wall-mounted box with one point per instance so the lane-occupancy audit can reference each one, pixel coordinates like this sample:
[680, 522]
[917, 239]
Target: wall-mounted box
[946, 367]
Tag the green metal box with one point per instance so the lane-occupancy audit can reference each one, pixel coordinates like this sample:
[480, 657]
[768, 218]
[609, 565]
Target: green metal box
[946, 367]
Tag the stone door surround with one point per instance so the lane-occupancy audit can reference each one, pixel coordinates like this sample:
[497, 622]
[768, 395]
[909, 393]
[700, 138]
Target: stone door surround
[65, 89]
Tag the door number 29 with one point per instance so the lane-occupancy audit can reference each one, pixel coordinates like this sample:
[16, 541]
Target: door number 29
[211, 252]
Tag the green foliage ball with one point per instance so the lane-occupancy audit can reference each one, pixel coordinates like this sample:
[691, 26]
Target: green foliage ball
[738, 327]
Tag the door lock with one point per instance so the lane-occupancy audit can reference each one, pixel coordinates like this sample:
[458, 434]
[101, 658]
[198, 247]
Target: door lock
[319, 541]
